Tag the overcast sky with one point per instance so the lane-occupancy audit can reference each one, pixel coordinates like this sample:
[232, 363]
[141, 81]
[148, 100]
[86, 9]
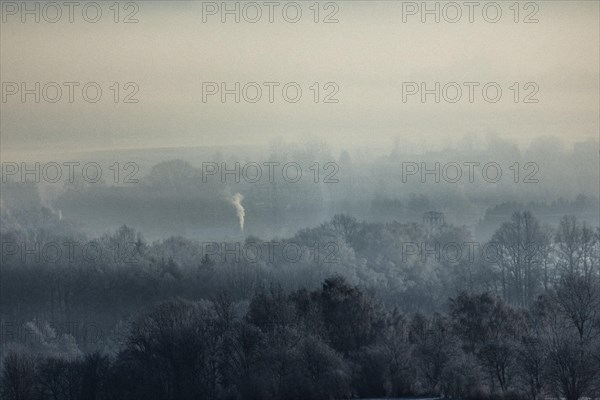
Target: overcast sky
[368, 54]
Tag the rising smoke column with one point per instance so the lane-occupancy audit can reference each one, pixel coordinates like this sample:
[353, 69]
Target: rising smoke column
[236, 200]
[49, 193]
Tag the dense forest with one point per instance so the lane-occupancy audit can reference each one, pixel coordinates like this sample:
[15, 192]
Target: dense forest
[349, 309]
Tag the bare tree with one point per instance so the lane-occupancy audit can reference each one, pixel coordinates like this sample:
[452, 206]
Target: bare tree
[519, 243]
[577, 247]
[18, 376]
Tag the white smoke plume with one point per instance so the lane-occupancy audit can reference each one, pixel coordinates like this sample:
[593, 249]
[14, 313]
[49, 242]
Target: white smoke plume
[48, 194]
[236, 200]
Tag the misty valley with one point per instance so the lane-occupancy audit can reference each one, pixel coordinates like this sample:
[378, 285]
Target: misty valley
[177, 284]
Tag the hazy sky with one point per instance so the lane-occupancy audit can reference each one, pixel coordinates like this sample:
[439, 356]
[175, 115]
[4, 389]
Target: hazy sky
[368, 54]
